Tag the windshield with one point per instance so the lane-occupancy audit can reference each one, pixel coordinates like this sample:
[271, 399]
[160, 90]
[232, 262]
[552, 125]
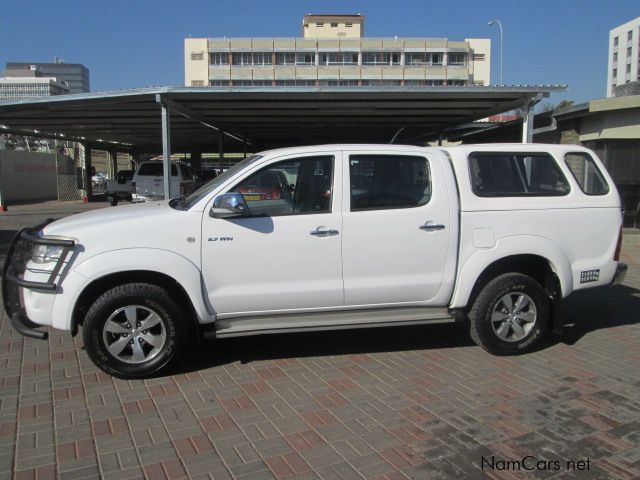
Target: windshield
[203, 191]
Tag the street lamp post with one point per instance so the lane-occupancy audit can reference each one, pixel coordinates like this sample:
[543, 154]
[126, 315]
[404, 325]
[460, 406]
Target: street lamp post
[499, 23]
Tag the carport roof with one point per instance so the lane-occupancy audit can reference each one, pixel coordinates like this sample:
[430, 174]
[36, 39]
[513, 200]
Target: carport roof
[266, 117]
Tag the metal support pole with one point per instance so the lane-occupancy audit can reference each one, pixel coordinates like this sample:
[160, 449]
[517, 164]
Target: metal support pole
[166, 149]
[113, 156]
[244, 149]
[221, 149]
[527, 123]
[87, 170]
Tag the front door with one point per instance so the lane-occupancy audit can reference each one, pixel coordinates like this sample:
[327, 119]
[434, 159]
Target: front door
[286, 254]
[396, 229]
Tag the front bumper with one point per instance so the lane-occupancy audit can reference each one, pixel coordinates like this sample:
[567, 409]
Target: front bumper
[15, 266]
[621, 272]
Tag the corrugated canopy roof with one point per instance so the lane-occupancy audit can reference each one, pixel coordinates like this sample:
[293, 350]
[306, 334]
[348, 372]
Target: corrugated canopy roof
[267, 117]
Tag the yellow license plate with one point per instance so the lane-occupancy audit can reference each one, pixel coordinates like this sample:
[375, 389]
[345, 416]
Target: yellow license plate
[252, 198]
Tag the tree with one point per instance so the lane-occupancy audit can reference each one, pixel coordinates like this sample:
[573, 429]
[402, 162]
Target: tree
[560, 106]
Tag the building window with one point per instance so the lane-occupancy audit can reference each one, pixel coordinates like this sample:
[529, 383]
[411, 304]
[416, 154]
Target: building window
[319, 24]
[285, 58]
[219, 58]
[219, 83]
[242, 59]
[629, 35]
[615, 41]
[197, 83]
[335, 58]
[334, 25]
[305, 59]
[615, 57]
[434, 83]
[437, 58]
[615, 73]
[262, 58]
[348, 25]
[457, 83]
[380, 58]
[478, 57]
[457, 59]
[197, 56]
[415, 58]
[628, 68]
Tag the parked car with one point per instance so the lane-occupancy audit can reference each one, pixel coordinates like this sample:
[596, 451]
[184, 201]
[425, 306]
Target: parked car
[120, 188]
[493, 236]
[148, 183]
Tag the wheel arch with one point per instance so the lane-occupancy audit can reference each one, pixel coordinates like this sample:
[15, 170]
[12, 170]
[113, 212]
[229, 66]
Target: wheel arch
[526, 254]
[100, 285]
[174, 273]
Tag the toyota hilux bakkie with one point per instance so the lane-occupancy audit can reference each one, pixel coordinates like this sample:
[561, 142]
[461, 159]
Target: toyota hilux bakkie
[344, 236]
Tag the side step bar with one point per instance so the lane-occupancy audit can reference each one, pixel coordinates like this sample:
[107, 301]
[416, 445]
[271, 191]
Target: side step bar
[334, 320]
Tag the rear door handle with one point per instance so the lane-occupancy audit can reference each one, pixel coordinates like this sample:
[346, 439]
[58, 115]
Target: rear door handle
[324, 233]
[431, 227]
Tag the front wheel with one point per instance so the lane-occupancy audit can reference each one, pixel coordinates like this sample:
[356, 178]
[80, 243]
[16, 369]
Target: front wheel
[134, 331]
[510, 315]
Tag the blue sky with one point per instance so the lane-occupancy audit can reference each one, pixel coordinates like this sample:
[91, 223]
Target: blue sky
[135, 43]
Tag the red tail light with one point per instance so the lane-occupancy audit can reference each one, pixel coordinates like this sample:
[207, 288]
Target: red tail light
[616, 256]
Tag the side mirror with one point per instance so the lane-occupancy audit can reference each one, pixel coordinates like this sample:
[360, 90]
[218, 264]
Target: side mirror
[229, 205]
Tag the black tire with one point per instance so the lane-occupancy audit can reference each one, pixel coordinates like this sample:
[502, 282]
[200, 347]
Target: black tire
[141, 298]
[519, 334]
[114, 201]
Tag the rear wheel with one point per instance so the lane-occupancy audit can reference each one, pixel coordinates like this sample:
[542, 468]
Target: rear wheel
[114, 201]
[134, 331]
[510, 315]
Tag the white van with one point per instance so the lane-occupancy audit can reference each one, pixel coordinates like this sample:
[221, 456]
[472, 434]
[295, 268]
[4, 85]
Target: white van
[148, 181]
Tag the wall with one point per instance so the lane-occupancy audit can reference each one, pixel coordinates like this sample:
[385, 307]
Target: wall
[196, 70]
[27, 176]
[481, 69]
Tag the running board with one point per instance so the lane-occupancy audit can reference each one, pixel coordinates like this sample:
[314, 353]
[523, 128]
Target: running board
[334, 320]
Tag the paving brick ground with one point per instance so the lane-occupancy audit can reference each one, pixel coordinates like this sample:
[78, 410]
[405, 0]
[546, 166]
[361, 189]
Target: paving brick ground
[415, 402]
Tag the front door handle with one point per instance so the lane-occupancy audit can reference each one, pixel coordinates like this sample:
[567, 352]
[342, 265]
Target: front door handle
[324, 233]
[431, 227]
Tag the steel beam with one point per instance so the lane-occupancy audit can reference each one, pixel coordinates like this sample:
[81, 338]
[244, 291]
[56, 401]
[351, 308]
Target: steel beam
[221, 149]
[191, 115]
[166, 147]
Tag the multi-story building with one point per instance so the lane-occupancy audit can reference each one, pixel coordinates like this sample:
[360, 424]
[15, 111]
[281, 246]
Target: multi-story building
[623, 66]
[75, 75]
[334, 52]
[18, 88]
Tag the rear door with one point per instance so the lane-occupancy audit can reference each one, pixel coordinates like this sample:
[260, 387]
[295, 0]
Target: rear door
[396, 228]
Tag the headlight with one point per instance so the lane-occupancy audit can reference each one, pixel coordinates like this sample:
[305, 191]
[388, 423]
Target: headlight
[46, 253]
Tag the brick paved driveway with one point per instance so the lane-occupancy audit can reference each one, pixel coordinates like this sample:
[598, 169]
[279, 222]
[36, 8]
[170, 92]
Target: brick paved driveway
[414, 402]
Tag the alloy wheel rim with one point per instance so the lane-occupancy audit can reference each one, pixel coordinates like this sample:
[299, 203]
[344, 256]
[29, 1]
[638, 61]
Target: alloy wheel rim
[134, 334]
[513, 316]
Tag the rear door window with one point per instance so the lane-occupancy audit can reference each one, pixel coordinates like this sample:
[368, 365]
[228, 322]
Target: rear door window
[586, 173]
[388, 181]
[502, 174]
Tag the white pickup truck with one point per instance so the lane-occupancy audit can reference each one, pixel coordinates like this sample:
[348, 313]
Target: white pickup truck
[328, 237]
